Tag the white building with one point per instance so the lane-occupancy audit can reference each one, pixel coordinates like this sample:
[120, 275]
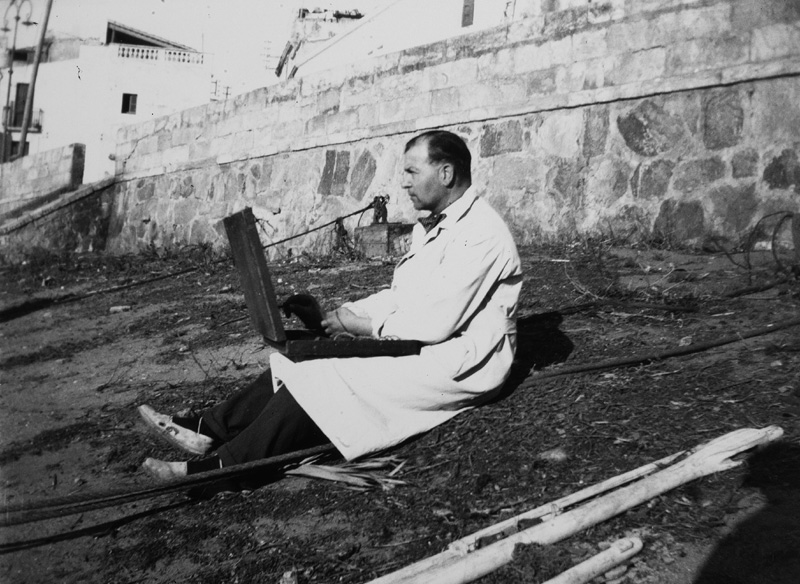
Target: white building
[87, 89]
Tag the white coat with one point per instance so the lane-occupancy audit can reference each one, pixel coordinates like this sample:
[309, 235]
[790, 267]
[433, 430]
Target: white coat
[456, 291]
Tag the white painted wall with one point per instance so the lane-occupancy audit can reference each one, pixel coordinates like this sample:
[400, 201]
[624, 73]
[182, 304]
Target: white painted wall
[82, 99]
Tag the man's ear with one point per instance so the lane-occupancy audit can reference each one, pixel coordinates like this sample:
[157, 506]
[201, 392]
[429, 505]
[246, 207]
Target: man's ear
[447, 175]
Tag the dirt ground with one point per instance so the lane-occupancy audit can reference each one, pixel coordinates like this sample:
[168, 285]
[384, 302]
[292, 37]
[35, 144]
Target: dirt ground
[73, 372]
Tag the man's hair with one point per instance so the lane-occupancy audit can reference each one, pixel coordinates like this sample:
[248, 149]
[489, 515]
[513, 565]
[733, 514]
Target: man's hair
[444, 146]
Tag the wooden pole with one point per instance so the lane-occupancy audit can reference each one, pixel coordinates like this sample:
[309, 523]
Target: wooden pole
[549, 510]
[26, 117]
[620, 551]
[452, 567]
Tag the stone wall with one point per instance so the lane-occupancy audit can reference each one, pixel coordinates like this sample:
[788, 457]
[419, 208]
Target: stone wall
[675, 119]
[26, 181]
[78, 225]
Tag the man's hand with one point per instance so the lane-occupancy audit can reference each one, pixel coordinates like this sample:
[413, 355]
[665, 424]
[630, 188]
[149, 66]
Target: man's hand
[345, 321]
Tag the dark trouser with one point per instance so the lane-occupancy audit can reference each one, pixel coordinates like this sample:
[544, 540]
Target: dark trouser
[257, 423]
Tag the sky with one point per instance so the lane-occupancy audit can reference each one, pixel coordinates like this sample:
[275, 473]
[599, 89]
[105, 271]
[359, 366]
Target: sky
[239, 34]
[213, 26]
[210, 25]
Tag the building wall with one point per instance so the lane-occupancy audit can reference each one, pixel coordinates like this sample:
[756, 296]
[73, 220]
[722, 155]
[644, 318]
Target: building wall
[82, 98]
[397, 26]
[28, 179]
[663, 118]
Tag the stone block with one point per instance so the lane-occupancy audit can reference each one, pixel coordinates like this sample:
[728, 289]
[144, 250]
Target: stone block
[753, 15]
[735, 206]
[476, 44]
[317, 125]
[639, 66]
[691, 23]
[680, 222]
[711, 53]
[627, 36]
[783, 171]
[607, 181]
[560, 134]
[514, 173]
[649, 130]
[163, 143]
[530, 26]
[501, 138]
[577, 77]
[694, 175]
[539, 56]
[595, 134]
[367, 115]
[449, 74]
[541, 83]
[445, 100]
[422, 57]
[565, 184]
[334, 173]
[566, 22]
[588, 44]
[643, 7]
[603, 12]
[651, 179]
[775, 41]
[402, 110]
[383, 239]
[358, 91]
[723, 119]
[745, 163]
[496, 64]
[363, 174]
[328, 102]
[343, 122]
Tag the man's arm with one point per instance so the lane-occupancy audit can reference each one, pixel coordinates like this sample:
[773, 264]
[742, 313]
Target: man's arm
[343, 320]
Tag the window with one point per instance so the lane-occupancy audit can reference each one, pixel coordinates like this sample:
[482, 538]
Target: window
[128, 103]
[18, 107]
[15, 148]
[468, 13]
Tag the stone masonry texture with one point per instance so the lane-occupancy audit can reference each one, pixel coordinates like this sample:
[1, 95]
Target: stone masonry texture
[675, 120]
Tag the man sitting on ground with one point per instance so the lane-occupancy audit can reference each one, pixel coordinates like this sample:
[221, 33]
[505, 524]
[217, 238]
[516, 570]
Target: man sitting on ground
[456, 291]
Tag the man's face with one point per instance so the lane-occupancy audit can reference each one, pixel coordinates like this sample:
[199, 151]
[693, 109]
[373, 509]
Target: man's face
[424, 182]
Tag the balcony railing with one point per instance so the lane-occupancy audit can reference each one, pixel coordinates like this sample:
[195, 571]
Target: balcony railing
[155, 54]
[13, 119]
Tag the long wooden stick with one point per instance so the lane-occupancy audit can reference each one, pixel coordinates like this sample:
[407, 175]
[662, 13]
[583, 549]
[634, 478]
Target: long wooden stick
[620, 551]
[452, 567]
[549, 510]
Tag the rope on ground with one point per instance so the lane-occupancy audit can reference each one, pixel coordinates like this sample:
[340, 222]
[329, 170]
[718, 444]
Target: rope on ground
[37, 511]
[660, 355]
[27, 512]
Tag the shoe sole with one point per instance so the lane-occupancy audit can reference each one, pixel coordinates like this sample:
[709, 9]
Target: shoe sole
[162, 432]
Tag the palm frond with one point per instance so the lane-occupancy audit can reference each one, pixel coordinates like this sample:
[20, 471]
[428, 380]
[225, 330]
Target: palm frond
[360, 475]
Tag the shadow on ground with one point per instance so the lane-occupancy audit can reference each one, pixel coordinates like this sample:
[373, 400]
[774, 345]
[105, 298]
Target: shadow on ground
[540, 343]
[766, 546]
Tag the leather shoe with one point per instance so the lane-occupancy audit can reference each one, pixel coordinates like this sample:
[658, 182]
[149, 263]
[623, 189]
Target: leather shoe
[163, 470]
[177, 435]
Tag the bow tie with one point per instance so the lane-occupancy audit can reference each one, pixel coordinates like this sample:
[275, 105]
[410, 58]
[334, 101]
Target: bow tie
[431, 221]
